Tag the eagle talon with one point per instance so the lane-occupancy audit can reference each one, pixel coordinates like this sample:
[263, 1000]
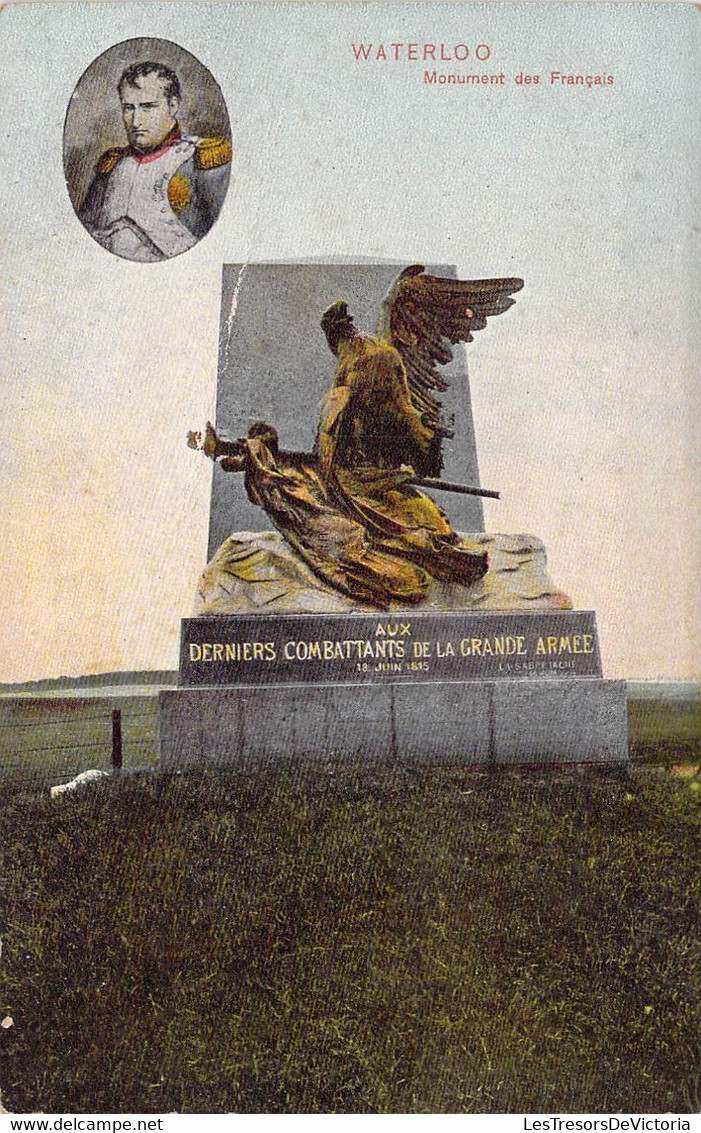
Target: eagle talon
[211, 444]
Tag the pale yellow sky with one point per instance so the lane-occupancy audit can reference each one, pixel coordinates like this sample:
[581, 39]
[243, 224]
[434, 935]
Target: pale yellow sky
[583, 395]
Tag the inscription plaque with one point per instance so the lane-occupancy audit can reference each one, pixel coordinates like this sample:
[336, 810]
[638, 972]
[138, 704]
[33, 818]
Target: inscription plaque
[379, 648]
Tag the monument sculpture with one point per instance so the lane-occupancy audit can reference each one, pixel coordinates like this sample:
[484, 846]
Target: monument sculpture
[351, 509]
[367, 613]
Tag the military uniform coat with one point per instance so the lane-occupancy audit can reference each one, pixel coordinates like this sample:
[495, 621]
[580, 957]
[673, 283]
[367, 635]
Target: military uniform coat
[152, 206]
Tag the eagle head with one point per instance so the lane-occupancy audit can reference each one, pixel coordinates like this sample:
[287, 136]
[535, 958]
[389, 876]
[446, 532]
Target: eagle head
[337, 324]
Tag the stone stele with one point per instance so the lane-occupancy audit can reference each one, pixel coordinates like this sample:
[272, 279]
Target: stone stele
[256, 572]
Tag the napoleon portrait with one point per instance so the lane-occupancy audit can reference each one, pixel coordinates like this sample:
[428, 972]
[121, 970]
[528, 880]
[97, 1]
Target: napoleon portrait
[157, 195]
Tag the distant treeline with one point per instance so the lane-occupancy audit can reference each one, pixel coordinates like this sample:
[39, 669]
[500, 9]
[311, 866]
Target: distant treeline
[637, 690]
[97, 680]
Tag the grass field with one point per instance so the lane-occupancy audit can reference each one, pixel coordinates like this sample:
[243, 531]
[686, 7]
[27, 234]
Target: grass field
[663, 730]
[375, 941]
[46, 740]
[384, 941]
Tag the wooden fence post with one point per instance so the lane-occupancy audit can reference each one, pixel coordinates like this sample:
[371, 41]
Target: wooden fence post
[116, 739]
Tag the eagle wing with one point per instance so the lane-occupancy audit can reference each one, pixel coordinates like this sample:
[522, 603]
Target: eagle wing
[423, 316]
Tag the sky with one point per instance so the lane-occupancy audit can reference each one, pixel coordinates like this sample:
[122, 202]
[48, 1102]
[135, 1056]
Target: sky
[583, 395]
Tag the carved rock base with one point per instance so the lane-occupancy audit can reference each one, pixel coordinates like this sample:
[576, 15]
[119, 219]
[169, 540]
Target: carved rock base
[256, 572]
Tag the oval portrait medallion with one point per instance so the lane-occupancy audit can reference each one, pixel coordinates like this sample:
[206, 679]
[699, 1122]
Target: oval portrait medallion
[147, 150]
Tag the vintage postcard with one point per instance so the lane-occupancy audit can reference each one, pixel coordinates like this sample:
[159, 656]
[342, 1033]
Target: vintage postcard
[349, 725]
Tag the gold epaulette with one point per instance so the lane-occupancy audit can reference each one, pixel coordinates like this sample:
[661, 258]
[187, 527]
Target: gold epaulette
[212, 152]
[110, 158]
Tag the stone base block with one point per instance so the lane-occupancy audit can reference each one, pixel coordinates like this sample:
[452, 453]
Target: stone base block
[470, 723]
[257, 572]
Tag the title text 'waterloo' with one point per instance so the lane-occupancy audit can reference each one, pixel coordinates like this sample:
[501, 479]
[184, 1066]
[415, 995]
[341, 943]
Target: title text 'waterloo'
[419, 52]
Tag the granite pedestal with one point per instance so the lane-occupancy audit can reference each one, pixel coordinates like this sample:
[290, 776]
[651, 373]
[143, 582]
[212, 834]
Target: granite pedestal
[442, 689]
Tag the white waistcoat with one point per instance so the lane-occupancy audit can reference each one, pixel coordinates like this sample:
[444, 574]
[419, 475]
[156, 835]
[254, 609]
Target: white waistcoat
[136, 220]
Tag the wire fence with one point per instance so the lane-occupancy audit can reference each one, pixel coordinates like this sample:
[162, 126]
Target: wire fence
[42, 744]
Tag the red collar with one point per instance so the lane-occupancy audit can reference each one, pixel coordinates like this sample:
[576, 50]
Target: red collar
[151, 155]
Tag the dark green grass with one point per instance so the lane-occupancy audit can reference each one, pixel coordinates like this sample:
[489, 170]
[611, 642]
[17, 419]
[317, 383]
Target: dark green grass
[45, 740]
[664, 729]
[362, 941]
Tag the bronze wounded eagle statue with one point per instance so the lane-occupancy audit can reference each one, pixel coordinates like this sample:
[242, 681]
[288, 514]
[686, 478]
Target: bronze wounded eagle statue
[382, 408]
[349, 508]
